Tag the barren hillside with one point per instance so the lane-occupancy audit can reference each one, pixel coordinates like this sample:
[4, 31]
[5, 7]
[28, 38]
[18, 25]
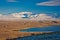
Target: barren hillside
[9, 29]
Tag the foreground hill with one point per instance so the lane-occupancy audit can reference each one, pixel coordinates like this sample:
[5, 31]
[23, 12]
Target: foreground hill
[9, 29]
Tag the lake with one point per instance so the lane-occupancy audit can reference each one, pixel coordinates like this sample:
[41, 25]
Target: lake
[55, 35]
[42, 29]
[41, 37]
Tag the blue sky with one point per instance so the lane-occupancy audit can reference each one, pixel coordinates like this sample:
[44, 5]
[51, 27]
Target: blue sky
[35, 6]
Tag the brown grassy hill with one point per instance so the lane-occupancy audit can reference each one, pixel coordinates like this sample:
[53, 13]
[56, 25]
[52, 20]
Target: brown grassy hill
[9, 29]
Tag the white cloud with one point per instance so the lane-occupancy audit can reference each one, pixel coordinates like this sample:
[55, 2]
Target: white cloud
[14, 16]
[11, 0]
[19, 16]
[42, 17]
[50, 3]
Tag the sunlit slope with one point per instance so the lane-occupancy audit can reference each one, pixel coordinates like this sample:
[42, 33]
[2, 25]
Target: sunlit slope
[9, 29]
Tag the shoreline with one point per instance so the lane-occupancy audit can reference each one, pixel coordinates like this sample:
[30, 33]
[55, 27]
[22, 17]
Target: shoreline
[9, 29]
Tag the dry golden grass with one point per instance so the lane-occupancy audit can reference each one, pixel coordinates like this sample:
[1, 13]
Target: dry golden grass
[9, 29]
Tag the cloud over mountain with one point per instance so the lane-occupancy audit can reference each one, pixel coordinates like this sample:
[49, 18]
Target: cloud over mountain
[21, 15]
[42, 17]
[14, 16]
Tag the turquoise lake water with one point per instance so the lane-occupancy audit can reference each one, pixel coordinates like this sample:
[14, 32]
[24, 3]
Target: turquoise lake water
[53, 36]
[42, 29]
[41, 37]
